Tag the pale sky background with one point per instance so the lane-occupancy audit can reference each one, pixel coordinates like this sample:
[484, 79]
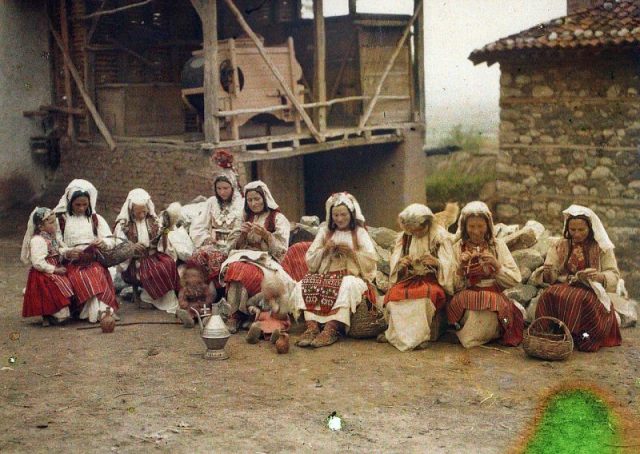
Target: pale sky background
[456, 90]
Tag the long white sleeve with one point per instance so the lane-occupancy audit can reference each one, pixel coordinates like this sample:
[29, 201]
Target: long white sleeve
[38, 252]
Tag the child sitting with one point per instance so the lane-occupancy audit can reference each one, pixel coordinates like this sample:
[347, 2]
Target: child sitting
[195, 295]
[270, 309]
[48, 289]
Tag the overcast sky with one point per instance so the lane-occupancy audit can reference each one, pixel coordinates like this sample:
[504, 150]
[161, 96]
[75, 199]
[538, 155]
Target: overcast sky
[457, 91]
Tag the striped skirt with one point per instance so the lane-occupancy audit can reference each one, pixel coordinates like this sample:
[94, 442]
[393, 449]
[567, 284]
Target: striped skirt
[92, 279]
[417, 287]
[157, 274]
[46, 293]
[294, 262]
[585, 316]
[489, 299]
[248, 274]
[211, 259]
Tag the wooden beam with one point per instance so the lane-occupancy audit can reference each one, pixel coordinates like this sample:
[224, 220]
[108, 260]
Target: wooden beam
[294, 82]
[319, 64]
[115, 10]
[85, 96]
[94, 23]
[353, 7]
[419, 74]
[208, 11]
[68, 94]
[390, 63]
[283, 84]
[343, 65]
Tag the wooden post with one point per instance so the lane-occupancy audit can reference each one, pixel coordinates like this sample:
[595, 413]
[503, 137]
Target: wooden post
[235, 133]
[85, 96]
[208, 11]
[419, 83]
[68, 94]
[294, 82]
[392, 60]
[352, 7]
[319, 61]
[283, 84]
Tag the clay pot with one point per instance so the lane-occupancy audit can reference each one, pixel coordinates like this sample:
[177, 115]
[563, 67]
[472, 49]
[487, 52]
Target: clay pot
[282, 344]
[107, 322]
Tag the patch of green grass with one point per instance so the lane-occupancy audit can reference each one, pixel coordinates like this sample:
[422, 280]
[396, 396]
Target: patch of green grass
[575, 421]
[469, 139]
[452, 185]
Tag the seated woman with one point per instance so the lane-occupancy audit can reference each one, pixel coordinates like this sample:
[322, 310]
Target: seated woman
[342, 261]
[80, 228]
[210, 230]
[152, 269]
[257, 247]
[582, 268]
[421, 271]
[48, 293]
[485, 268]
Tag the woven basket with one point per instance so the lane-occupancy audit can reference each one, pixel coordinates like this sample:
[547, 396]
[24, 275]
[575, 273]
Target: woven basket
[367, 321]
[546, 345]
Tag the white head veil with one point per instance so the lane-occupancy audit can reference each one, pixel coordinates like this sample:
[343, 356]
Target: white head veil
[269, 200]
[599, 233]
[74, 186]
[137, 196]
[36, 217]
[346, 199]
[416, 214]
[476, 208]
[237, 201]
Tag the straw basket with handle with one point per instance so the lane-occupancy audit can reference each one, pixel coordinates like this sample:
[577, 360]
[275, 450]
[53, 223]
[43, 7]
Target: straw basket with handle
[121, 252]
[368, 321]
[542, 343]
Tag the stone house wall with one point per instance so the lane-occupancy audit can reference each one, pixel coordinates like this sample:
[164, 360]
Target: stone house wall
[569, 133]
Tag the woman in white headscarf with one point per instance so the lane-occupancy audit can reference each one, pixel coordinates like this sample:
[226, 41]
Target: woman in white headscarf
[342, 262]
[421, 271]
[82, 230]
[484, 268]
[152, 269]
[582, 268]
[48, 292]
[257, 247]
[210, 230]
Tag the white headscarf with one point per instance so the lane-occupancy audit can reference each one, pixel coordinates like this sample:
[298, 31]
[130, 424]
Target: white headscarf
[346, 199]
[476, 208]
[237, 201]
[599, 233]
[137, 196]
[41, 214]
[74, 186]
[416, 213]
[269, 200]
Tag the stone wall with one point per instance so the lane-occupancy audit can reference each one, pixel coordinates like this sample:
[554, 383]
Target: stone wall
[24, 85]
[569, 133]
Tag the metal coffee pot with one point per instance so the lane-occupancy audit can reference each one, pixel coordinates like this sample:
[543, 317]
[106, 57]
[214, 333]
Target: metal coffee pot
[214, 332]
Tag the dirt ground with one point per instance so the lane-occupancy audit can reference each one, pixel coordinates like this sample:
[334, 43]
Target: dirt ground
[146, 388]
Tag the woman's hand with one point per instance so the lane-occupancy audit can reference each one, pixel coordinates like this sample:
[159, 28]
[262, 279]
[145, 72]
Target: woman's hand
[261, 232]
[429, 260]
[60, 270]
[489, 259]
[594, 275]
[246, 227]
[99, 243]
[255, 310]
[73, 254]
[140, 248]
[405, 262]
[342, 249]
[465, 257]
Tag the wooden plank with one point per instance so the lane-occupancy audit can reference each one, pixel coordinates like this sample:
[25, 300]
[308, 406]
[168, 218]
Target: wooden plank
[294, 82]
[285, 87]
[399, 46]
[352, 7]
[85, 96]
[115, 10]
[319, 62]
[419, 98]
[235, 131]
[68, 94]
[209, 17]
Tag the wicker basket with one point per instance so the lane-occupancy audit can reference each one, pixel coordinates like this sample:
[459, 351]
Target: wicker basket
[546, 345]
[121, 252]
[367, 321]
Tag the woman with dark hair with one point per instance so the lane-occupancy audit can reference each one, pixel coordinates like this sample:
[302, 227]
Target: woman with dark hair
[582, 268]
[342, 262]
[210, 230]
[257, 247]
[484, 268]
[80, 228]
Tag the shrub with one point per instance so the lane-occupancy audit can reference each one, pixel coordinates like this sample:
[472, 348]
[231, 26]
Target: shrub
[469, 139]
[453, 185]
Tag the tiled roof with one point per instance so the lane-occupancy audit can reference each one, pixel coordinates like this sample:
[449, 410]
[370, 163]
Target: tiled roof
[612, 23]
